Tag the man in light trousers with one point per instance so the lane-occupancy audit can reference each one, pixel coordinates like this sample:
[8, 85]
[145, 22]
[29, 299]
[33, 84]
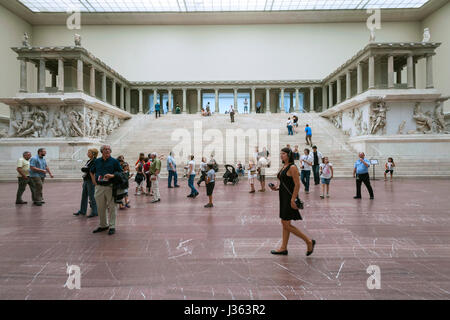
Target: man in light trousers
[102, 175]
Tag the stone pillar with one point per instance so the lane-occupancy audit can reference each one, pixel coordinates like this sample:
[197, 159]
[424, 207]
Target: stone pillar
[253, 105]
[156, 98]
[267, 100]
[324, 98]
[54, 83]
[199, 100]
[92, 78]
[338, 91]
[391, 72]
[330, 95]
[429, 72]
[122, 98]
[23, 76]
[113, 93]
[80, 75]
[216, 104]
[297, 100]
[61, 75]
[169, 95]
[311, 99]
[41, 76]
[141, 102]
[348, 85]
[371, 72]
[399, 75]
[235, 99]
[410, 71]
[104, 87]
[359, 78]
[184, 100]
[282, 110]
[128, 99]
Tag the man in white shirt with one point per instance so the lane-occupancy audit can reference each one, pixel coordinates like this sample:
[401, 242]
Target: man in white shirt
[232, 113]
[306, 162]
[261, 168]
[191, 175]
[23, 176]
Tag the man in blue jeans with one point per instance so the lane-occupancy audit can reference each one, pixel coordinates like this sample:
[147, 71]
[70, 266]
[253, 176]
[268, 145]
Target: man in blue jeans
[306, 163]
[191, 173]
[172, 168]
[157, 110]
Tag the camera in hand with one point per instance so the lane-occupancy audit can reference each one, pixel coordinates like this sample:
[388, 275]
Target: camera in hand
[271, 185]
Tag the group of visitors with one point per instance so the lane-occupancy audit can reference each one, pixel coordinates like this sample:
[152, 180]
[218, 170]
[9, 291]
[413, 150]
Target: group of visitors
[292, 125]
[32, 171]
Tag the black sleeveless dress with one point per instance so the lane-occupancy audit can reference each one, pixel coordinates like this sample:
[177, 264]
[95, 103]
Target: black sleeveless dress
[286, 211]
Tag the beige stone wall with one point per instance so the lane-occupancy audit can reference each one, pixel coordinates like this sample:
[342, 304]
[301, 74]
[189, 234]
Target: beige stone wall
[232, 52]
[11, 31]
[439, 24]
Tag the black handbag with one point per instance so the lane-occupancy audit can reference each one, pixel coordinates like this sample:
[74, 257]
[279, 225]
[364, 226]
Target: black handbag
[298, 202]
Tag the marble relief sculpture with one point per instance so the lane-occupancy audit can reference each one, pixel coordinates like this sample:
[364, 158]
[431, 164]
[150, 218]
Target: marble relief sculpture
[439, 118]
[424, 121]
[377, 118]
[56, 122]
[358, 122]
[401, 127]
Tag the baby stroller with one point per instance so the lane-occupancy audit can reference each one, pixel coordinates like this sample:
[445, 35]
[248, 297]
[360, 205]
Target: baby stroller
[230, 175]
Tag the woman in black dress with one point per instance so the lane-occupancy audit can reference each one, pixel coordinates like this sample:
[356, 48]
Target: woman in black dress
[289, 188]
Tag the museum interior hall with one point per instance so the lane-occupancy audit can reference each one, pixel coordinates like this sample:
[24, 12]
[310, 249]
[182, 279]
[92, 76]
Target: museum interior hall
[243, 105]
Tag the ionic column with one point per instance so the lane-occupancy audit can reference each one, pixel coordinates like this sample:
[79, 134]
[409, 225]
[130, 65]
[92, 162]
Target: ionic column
[169, 108]
[128, 99]
[297, 100]
[92, 78]
[371, 72]
[41, 76]
[155, 99]
[122, 98]
[311, 99]
[267, 100]
[80, 75]
[391, 72]
[199, 100]
[359, 78]
[235, 99]
[141, 102]
[23, 76]
[113, 92]
[216, 108]
[253, 105]
[410, 72]
[330, 95]
[60, 75]
[338, 91]
[184, 101]
[348, 85]
[104, 87]
[324, 98]
[429, 72]
[54, 83]
[282, 110]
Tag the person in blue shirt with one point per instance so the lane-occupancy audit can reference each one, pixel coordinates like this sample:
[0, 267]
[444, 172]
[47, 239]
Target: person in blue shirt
[361, 173]
[308, 135]
[38, 171]
[258, 107]
[102, 174]
[157, 110]
[172, 168]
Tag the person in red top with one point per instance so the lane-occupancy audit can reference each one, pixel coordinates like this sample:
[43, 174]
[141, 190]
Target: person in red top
[147, 163]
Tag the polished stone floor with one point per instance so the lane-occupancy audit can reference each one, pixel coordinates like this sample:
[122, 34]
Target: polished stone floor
[176, 249]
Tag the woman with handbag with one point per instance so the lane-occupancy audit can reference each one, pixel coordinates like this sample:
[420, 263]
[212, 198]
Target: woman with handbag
[290, 204]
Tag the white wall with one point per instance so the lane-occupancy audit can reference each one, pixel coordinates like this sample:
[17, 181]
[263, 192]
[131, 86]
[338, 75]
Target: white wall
[12, 29]
[439, 24]
[244, 52]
